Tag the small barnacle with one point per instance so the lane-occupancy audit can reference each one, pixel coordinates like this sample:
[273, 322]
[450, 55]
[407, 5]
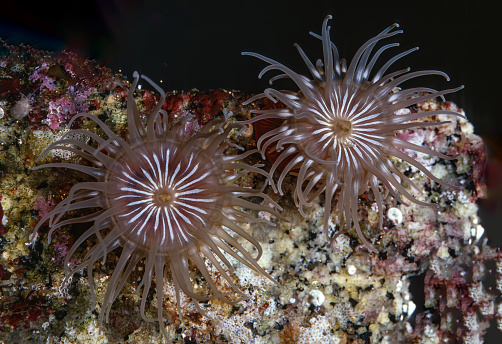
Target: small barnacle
[338, 131]
[167, 197]
[316, 298]
[395, 215]
[22, 107]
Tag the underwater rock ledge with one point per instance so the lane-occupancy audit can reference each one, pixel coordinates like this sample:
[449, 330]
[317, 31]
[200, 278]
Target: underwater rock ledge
[434, 278]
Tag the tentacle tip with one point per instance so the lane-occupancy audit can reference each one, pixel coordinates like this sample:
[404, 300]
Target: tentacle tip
[284, 219]
[372, 249]
[332, 241]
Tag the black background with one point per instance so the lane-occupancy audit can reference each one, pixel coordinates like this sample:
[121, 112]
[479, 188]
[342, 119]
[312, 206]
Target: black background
[197, 44]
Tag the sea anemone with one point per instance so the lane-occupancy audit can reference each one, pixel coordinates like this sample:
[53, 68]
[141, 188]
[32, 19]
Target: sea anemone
[165, 195]
[338, 130]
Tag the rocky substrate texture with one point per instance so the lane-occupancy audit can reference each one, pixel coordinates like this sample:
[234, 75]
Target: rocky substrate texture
[434, 280]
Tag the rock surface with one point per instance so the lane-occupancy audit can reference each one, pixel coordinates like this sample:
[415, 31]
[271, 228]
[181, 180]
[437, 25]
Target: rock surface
[434, 278]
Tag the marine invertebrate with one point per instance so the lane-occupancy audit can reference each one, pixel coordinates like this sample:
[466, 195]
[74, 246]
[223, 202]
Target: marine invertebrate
[165, 194]
[22, 107]
[339, 128]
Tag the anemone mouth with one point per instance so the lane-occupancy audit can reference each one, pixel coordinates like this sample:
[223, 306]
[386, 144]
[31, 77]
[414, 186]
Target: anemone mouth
[164, 197]
[341, 127]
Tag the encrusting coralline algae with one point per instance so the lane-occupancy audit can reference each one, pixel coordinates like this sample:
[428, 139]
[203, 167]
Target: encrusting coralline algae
[325, 295]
